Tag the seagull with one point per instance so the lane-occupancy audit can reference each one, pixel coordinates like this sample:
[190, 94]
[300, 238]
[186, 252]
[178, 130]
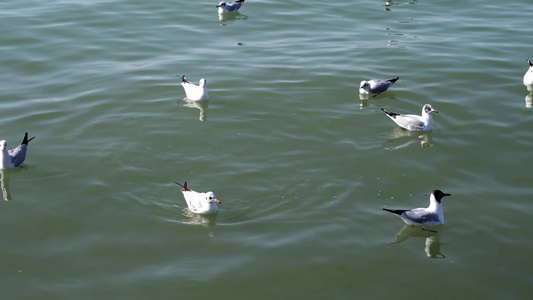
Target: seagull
[14, 157]
[430, 216]
[414, 122]
[199, 203]
[528, 77]
[224, 7]
[195, 92]
[375, 86]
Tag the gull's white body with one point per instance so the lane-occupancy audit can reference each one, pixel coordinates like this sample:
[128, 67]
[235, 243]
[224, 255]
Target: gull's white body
[528, 77]
[195, 92]
[375, 86]
[15, 157]
[430, 216]
[200, 203]
[414, 122]
[225, 7]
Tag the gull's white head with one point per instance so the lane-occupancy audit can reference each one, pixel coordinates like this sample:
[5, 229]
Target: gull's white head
[210, 197]
[3, 144]
[203, 82]
[428, 109]
[363, 84]
[221, 4]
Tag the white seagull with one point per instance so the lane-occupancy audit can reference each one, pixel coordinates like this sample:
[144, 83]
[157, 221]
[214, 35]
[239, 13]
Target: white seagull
[430, 216]
[200, 203]
[224, 7]
[375, 86]
[414, 122]
[195, 92]
[14, 157]
[528, 77]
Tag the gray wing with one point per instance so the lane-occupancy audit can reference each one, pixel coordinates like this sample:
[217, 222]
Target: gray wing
[234, 6]
[379, 86]
[421, 216]
[407, 121]
[18, 155]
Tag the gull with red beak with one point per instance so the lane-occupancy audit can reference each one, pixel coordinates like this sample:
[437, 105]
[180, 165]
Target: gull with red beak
[199, 203]
[430, 216]
[195, 92]
[414, 122]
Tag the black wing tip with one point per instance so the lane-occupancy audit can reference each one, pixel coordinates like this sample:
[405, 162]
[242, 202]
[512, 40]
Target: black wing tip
[529, 62]
[183, 78]
[393, 80]
[395, 211]
[388, 112]
[184, 186]
[25, 141]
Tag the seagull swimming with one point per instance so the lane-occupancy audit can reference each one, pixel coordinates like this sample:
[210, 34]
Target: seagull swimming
[414, 122]
[195, 92]
[528, 77]
[430, 216]
[14, 157]
[375, 86]
[199, 203]
[224, 7]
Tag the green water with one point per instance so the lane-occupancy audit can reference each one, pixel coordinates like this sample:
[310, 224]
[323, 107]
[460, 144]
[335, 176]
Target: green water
[302, 165]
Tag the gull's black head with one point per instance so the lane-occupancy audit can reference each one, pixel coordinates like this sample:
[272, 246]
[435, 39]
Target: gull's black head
[438, 194]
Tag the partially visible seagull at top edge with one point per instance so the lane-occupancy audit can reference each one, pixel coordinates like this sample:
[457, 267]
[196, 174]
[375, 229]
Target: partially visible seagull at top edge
[14, 157]
[195, 92]
[414, 122]
[528, 77]
[375, 86]
[224, 7]
[430, 216]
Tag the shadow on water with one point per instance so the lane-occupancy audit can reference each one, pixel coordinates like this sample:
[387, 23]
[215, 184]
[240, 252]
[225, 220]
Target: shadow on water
[201, 105]
[366, 98]
[529, 97]
[401, 138]
[5, 178]
[432, 236]
[230, 17]
[207, 221]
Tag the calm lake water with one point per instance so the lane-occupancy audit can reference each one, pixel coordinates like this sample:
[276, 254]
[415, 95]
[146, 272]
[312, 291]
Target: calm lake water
[302, 165]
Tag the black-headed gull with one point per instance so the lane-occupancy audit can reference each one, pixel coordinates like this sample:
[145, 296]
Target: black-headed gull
[414, 122]
[375, 86]
[224, 7]
[195, 92]
[528, 77]
[430, 216]
[199, 203]
[14, 157]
